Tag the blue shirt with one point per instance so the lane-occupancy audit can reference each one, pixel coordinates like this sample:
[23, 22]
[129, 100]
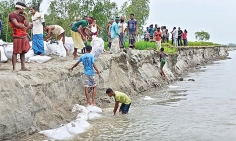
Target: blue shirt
[115, 30]
[87, 59]
[132, 25]
[151, 31]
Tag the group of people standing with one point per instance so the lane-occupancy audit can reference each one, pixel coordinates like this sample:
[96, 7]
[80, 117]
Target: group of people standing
[161, 35]
[118, 30]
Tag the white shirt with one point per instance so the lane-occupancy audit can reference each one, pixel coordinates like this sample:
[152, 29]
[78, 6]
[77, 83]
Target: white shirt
[175, 33]
[120, 26]
[38, 19]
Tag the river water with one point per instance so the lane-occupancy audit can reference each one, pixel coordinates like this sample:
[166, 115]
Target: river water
[200, 110]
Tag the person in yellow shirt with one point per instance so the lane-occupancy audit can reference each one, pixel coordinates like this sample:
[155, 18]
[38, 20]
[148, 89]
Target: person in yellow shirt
[120, 98]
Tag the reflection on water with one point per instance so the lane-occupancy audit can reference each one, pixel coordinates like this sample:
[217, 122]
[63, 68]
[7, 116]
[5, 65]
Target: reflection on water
[203, 110]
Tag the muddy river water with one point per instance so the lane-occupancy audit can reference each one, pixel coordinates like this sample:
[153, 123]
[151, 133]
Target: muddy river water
[200, 110]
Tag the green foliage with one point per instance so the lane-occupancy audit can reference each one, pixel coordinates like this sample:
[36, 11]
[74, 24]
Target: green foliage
[202, 36]
[140, 8]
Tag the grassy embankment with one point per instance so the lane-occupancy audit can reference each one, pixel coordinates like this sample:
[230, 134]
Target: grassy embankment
[168, 47]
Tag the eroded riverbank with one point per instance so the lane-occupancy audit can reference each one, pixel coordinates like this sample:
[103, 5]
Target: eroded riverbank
[42, 99]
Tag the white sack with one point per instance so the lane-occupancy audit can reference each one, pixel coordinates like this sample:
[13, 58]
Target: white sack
[93, 115]
[9, 50]
[39, 59]
[62, 49]
[94, 109]
[69, 44]
[3, 55]
[60, 133]
[97, 46]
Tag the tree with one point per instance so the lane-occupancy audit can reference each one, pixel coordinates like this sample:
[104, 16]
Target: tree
[63, 12]
[202, 36]
[140, 8]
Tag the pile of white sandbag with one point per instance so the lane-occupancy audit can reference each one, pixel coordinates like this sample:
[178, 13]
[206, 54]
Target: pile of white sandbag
[97, 46]
[50, 48]
[80, 125]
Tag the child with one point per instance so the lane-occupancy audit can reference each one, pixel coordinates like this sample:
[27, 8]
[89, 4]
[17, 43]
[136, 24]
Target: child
[120, 98]
[88, 77]
[157, 34]
[162, 61]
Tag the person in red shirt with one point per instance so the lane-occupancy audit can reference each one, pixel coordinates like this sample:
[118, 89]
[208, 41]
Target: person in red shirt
[157, 34]
[19, 23]
[185, 37]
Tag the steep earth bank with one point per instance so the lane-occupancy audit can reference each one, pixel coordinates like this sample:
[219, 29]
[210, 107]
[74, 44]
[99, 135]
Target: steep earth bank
[42, 98]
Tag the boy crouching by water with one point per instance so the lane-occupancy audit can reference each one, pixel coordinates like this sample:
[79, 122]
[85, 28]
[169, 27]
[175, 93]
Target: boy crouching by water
[162, 62]
[120, 98]
[88, 78]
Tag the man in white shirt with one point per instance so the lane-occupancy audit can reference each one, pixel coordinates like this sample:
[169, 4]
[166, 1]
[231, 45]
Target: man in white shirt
[175, 36]
[38, 25]
[122, 28]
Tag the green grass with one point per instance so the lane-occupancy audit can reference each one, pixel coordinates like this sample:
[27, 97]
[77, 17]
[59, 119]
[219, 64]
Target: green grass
[168, 47]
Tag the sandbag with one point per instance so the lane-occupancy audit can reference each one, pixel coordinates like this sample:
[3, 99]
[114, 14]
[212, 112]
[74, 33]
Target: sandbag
[60, 133]
[54, 48]
[78, 107]
[94, 109]
[39, 59]
[1, 42]
[93, 115]
[78, 126]
[9, 50]
[62, 49]
[69, 44]
[75, 127]
[57, 48]
[28, 55]
[83, 116]
[97, 46]
[46, 50]
[3, 55]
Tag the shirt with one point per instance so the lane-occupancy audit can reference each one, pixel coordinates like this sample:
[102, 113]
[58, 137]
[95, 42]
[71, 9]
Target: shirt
[120, 25]
[122, 97]
[158, 35]
[76, 25]
[115, 30]
[146, 34]
[151, 31]
[184, 35]
[87, 59]
[37, 20]
[180, 32]
[132, 25]
[175, 33]
[17, 32]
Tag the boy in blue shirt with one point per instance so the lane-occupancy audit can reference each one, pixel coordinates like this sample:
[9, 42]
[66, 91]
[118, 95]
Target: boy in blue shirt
[89, 76]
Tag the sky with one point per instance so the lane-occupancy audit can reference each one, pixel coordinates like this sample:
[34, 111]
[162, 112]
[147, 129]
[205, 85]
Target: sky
[217, 17]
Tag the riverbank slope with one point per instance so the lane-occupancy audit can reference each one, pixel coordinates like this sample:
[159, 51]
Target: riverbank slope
[42, 98]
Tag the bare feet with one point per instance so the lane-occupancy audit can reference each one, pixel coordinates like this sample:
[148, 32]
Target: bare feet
[93, 104]
[14, 71]
[24, 69]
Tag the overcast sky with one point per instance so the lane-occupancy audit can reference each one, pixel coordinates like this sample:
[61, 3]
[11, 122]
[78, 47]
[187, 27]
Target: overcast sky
[218, 17]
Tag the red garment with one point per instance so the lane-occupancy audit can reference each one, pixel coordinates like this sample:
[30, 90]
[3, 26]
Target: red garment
[184, 35]
[20, 45]
[17, 32]
[158, 35]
